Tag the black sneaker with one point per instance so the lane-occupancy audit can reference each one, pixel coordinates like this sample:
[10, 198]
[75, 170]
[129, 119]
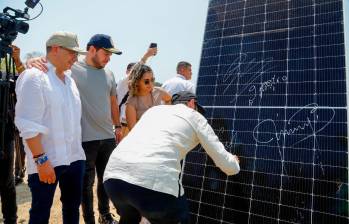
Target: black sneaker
[107, 219]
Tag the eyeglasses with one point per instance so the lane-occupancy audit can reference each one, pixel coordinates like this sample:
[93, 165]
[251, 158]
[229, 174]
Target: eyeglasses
[148, 81]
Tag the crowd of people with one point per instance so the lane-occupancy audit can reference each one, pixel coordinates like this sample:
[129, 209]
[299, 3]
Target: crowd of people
[77, 123]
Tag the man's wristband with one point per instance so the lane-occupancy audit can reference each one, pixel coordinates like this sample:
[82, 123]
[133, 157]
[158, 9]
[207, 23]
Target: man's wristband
[117, 126]
[41, 159]
[37, 156]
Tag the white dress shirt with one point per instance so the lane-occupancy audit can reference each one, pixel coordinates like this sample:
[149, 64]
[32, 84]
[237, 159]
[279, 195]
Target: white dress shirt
[121, 90]
[149, 156]
[45, 105]
[177, 84]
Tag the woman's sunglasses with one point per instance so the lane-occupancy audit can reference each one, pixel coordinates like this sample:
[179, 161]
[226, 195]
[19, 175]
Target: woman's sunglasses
[148, 81]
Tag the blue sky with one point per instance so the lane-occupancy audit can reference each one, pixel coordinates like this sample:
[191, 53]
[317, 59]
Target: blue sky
[176, 25]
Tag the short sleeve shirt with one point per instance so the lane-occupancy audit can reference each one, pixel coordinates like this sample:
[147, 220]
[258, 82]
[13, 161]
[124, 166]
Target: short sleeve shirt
[95, 87]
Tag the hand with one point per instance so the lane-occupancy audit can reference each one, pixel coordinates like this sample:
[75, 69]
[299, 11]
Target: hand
[16, 52]
[118, 135]
[236, 158]
[46, 173]
[39, 63]
[150, 52]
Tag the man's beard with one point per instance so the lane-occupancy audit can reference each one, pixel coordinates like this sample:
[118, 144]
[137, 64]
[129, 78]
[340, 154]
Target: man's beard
[96, 63]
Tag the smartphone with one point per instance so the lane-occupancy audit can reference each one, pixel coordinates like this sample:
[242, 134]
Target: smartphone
[153, 45]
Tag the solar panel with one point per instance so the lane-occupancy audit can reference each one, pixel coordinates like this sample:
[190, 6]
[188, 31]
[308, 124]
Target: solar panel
[273, 80]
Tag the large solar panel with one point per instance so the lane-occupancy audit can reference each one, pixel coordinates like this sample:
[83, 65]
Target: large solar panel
[273, 80]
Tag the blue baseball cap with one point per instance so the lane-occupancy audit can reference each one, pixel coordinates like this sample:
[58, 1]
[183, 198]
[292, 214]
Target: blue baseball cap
[105, 42]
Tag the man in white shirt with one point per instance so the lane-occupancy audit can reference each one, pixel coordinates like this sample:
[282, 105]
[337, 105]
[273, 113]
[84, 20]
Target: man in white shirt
[142, 174]
[48, 114]
[181, 81]
[122, 93]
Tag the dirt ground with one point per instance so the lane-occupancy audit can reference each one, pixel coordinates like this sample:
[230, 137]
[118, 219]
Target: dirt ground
[24, 200]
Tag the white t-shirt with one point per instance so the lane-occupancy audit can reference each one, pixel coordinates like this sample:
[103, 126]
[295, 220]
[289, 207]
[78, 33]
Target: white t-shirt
[121, 90]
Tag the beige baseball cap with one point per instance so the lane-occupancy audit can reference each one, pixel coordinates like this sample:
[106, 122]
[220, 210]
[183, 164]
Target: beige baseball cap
[65, 39]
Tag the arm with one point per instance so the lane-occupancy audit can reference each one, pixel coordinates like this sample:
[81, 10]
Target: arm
[35, 145]
[227, 162]
[131, 116]
[166, 97]
[39, 63]
[115, 115]
[150, 52]
[17, 59]
[30, 109]
[45, 170]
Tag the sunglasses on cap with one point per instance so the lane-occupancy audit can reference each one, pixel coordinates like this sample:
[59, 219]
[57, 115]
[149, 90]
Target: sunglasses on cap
[148, 81]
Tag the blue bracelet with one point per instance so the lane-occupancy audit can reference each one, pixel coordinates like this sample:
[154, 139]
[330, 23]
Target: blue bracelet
[41, 159]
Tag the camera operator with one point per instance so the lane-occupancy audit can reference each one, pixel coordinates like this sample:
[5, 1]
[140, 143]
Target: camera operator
[18, 144]
[7, 185]
[11, 23]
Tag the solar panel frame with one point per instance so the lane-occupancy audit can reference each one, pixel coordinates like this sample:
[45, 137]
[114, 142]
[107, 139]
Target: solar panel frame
[307, 55]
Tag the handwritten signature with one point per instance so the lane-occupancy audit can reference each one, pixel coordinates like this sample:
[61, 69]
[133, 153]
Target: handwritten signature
[276, 135]
[230, 145]
[241, 67]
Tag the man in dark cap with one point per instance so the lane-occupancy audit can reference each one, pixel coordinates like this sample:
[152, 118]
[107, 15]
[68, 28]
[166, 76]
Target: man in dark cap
[142, 174]
[100, 111]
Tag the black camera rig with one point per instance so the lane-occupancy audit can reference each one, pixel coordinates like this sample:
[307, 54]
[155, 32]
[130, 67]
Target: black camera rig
[12, 22]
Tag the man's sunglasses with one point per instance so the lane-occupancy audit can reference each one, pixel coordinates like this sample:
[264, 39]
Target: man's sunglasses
[148, 81]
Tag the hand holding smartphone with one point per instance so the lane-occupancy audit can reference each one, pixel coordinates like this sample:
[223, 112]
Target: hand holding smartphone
[153, 47]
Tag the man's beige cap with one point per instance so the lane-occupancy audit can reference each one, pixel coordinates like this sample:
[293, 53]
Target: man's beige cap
[65, 39]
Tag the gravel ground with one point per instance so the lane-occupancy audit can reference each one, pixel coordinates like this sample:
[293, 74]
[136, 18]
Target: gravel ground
[24, 200]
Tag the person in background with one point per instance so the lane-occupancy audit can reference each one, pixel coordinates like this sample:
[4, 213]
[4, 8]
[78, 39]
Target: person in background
[19, 147]
[143, 94]
[181, 81]
[123, 91]
[7, 184]
[48, 114]
[142, 176]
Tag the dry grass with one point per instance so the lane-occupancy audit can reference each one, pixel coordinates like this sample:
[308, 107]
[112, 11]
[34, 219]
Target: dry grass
[24, 201]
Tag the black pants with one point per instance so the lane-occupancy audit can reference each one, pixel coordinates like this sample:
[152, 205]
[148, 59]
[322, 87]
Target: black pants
[7, 186]
[20, 157]
[133, 202]
[97, 156]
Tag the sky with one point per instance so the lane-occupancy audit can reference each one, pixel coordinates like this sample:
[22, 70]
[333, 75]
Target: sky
[177, 26]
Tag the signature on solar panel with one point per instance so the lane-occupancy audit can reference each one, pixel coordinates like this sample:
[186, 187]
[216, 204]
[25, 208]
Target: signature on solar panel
[302, 120]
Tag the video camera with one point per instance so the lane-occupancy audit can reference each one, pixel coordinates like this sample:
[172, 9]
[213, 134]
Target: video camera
[11, 23]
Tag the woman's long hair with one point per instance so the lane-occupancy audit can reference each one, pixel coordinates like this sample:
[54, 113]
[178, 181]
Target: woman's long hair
[136, 74]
